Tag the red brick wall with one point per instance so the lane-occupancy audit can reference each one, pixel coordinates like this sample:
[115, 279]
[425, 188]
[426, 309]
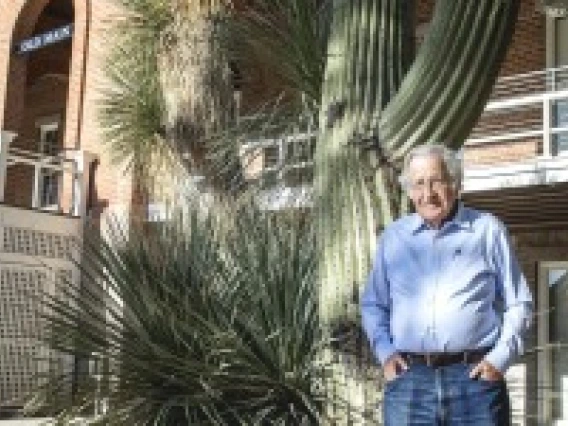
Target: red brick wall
[114, 184]
[527, 51]
[34, 87]
[500, 152]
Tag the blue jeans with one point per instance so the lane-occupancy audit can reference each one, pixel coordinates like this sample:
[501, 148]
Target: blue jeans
[445, 396]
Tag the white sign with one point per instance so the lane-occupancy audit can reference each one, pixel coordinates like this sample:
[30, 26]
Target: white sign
[37, 42]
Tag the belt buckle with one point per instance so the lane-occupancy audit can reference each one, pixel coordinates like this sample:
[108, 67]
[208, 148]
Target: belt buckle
[429, 358]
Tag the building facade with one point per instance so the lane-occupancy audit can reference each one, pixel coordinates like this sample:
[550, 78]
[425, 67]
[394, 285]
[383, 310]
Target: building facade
[54, 171]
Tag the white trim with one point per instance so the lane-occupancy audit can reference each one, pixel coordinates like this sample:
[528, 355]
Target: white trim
[531, 74]
[6, 139]
[505, 137]
[541, 170]
[550, 42]
[526, 100]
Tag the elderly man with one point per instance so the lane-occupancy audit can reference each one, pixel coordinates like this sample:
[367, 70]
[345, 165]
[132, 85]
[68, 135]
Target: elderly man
[446, 305]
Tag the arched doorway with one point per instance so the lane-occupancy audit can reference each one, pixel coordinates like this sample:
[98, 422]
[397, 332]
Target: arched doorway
[36, 102]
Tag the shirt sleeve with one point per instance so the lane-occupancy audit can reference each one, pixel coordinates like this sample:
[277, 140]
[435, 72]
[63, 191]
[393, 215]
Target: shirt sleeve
[375, 308]
[517, 302]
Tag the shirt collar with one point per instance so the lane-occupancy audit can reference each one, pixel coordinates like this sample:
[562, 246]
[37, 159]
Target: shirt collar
[460, 220]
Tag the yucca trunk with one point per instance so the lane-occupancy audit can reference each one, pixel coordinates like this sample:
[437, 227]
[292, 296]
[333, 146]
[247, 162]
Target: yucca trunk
[369, 100]
[195, 80]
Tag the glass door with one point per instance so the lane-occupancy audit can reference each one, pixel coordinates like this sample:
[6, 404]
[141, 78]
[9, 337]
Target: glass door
[553, 342]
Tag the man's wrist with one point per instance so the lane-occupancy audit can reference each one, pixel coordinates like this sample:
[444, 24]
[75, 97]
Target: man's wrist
[385, 353]
[499, 359]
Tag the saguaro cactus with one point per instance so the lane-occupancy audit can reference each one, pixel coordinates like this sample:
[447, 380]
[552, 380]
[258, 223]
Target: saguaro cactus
[368, 95]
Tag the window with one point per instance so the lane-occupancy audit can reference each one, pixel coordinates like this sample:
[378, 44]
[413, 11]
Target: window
[552, 339]
[49, 179]
[288, 161]
[560, 122]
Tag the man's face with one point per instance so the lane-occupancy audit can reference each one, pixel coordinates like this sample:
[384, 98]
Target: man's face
[430, 189]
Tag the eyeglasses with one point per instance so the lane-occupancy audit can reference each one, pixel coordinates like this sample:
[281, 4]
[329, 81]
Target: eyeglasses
[434, 184]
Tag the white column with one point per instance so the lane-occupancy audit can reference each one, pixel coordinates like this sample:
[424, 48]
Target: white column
[6, 139]
[82, 177]
[550, 42]
[36, 191]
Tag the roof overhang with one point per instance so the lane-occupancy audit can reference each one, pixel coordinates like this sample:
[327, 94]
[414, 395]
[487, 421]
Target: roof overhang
[525, 208]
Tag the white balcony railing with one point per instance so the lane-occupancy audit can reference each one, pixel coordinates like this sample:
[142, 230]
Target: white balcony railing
[525, 108]
[284, 166]
[49, 173]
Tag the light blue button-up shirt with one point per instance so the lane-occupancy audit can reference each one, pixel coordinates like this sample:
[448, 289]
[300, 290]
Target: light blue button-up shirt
[447, 290]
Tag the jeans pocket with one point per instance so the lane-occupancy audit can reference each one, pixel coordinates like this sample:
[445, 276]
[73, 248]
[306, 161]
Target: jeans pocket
[396, 379]
[481, 379]
[490, 382]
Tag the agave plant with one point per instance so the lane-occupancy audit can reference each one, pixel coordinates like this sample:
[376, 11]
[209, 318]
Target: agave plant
[206, 320]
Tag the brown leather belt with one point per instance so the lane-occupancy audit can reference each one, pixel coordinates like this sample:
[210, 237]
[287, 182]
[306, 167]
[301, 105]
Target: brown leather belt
[442, 359]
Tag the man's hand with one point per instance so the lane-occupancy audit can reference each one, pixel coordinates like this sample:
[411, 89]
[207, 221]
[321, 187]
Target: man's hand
[485, 371]
[393, 367]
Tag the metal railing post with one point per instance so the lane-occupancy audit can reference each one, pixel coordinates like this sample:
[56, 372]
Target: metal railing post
[282, 142]
[6, 139]
[546, 124]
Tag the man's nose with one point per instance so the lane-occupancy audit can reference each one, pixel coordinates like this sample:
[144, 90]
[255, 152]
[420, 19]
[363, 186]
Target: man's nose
[428, 191]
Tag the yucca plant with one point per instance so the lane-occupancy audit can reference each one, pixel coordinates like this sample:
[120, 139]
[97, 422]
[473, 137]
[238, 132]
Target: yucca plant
[168, 108]
[287, 39]
[205, 320]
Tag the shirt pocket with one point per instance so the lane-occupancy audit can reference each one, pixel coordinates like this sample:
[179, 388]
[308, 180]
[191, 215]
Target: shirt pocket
[469, 268]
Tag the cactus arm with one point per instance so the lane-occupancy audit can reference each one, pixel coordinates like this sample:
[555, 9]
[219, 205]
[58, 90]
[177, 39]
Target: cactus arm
[441, 101]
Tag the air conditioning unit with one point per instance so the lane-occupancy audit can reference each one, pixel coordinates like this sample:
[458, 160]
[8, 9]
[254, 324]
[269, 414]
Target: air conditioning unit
[553, 8]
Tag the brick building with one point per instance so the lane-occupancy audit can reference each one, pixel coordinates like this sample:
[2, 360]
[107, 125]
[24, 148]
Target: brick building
[54, 172]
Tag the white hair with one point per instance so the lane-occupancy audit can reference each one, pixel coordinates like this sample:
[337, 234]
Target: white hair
[451, 159]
